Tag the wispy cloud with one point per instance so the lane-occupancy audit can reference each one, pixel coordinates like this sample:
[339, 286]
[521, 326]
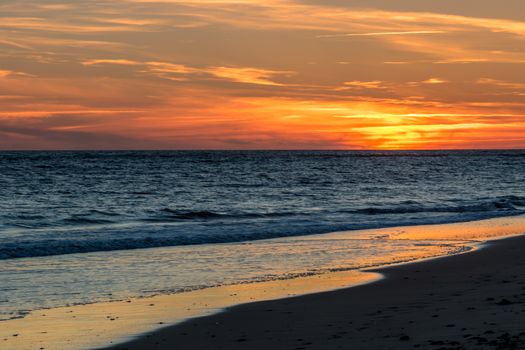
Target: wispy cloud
[501, 83]
[68, 112]
[5, 73]
[415, 32]
[124, 62]
[434, 81]
[173, 71]
[9, 73]
[248, 75]
[376, 84]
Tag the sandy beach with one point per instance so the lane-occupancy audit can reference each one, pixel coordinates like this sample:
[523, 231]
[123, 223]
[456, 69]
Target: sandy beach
[468, 301]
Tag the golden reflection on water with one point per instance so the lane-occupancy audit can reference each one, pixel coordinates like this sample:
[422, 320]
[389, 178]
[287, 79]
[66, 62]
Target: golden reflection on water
[88, 326]
[93, 325]
[476, 231]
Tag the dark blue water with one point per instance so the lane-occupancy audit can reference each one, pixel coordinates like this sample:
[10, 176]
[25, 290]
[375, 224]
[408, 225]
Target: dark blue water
[72, 202]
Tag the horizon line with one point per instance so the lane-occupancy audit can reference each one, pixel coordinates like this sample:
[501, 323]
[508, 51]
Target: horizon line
[258, 150]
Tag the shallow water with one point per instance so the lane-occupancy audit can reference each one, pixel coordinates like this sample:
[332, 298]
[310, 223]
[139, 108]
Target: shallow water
[34, 283]
[96, 325]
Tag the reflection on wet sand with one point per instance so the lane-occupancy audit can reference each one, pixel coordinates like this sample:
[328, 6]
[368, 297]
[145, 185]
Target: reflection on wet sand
[99, 324]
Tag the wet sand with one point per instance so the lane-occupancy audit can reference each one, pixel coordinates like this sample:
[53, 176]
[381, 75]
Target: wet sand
[468, 301]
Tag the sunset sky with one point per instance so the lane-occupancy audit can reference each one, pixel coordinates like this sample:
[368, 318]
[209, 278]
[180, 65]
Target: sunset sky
[254, 74]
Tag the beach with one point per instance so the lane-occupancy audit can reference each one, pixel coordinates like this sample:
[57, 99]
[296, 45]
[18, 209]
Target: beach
[455, 276]
[248, 174]
[468, 301]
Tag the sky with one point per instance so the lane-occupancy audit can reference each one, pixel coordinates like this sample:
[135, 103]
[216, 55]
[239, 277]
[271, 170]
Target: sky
[254, 74]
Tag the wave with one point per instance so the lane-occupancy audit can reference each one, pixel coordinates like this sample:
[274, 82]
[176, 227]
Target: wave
[95, 232]
[189, 215]
[86, 221]
[91, 217]
[510, 203]
[176, 214]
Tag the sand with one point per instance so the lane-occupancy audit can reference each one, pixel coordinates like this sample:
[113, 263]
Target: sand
[469, 301]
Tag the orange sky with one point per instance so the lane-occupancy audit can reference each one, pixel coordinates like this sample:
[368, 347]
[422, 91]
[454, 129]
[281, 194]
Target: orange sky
[253, 74]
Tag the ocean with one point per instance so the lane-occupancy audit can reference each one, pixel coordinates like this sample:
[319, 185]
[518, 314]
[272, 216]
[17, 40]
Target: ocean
[82, 227]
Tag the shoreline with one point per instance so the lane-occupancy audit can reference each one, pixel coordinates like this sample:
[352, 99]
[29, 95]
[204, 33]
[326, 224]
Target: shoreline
[427, 304]
[142, 316]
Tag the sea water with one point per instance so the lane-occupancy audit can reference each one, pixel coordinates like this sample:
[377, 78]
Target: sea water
[82, 227]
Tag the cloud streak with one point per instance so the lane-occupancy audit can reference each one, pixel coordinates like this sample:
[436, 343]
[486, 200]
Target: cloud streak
[414, 32]
[175, 71]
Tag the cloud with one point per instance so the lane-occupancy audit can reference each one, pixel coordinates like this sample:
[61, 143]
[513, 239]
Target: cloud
[247, 75]
[170, 68]
[434, 81]
[34, 136]
[110, 61]
[376, 84]
[91, 25]
[5, 73]
[501, 83]
[14, 44]
[174, 71]
[56, 112]
[418, 32]
[9, 73]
